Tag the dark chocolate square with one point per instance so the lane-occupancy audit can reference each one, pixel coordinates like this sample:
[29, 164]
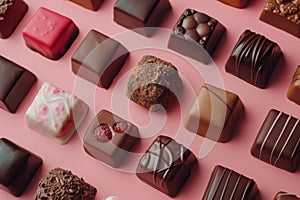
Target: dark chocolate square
[214, 113]
[110, 138]
[277, 142]
[166, 165]
[11, 13]
[236, 3]
[15, 83]
[294, 89]
[17, 167]
[253, 59]
[135, 14]
[154, 84]
[285, 196]
[99, 58]
[225, 183]
[89, 4]
[196, 35]
[283, 14]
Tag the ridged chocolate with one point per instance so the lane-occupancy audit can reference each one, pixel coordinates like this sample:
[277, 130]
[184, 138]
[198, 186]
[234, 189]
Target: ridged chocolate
[294, 89]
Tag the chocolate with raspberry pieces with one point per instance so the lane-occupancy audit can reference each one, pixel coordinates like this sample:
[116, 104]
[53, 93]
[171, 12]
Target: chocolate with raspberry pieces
[109, 138]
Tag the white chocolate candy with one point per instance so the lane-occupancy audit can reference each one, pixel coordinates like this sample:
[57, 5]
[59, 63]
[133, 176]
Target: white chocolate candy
[56, 113]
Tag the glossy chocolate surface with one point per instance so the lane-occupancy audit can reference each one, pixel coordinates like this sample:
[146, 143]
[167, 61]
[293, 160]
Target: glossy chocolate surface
[134, 14]
[227, 184]
[15, 83]
[236, 3]
[283, 14]
[294, 89]
[253, 59]
[110, 138]
[285, 196]
[166, 165]
[196, 35]
[99, 58]
[154, 84]
[277, 142]
[11, 13]
[17, 167]
[89, 4]
[214, 113]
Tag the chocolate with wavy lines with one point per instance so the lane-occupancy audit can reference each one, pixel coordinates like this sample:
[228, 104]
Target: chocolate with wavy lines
[294, 89]
[254, 59]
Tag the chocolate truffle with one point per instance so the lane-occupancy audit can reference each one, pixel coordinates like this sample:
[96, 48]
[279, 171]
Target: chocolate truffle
[11, 13]
[50, 33]
[18, 166]
[56, 113]
[236, 3]
[140, 14]
[285, 196]
[99, 58]
[227, 184]
[214, 113]
[154, 83]
[166, 165]
[277, 142]
[15, 83]
[283, 14]
[89, 4]
[253, 59]
[63, 184]
[196, 35]
[294, 90]
[110, 138]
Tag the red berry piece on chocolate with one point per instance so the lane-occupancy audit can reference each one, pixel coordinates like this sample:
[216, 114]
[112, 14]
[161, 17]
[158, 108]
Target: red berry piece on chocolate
[120, 127]
[102, 133]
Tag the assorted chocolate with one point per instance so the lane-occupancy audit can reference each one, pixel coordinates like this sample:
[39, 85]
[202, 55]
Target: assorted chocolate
[154, 83]
[110, 138]
[166, 165]
[63, 184]
[225, 183]
[89, 4]
[140, 15]
[11, 13]
[50, 33]
[283, 14]
[285, 196]
[214, 113]
[99, 58]
[277, 142]
[253, 59]
[55, 113]
[196, 35]
[294, 89]
[15, 83]
[236, 3]
[18, 167]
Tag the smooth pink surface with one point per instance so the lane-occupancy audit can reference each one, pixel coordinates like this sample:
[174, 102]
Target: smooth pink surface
[121, 183]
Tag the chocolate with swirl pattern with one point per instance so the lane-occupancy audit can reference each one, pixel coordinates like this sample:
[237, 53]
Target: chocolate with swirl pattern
[166, 165]
[254, 59]
[294, 89]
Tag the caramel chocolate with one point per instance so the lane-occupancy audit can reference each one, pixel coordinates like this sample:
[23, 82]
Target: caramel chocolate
[294, 89]
[89, 4]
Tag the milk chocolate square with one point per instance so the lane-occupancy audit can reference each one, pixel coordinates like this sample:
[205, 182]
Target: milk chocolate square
[110, 138]
[294, 89]
[98, 59]
[214, 113]
[225, 183]
[253, 59]
[166, 165]
[283, 14]
[277, 142]
[89, 4]
[236, 3]
[285, 196]
[15, 83]
[196, 35]
[17, 167]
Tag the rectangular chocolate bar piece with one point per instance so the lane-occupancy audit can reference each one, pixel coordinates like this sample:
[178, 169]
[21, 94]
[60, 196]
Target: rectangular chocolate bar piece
[214, 113]
[236, 3]
[89, 4]
[15, 83]
[285, 196]
[18, 166]
[294, 89]
[225, 183]
[196, 35]
[253, 59]
[277, 142]
[166, 165]
[283, 14]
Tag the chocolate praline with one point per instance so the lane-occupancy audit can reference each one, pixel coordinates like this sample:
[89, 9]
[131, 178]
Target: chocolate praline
[294, 89]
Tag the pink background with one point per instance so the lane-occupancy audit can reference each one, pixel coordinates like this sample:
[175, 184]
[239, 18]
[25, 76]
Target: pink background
[122, 182]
